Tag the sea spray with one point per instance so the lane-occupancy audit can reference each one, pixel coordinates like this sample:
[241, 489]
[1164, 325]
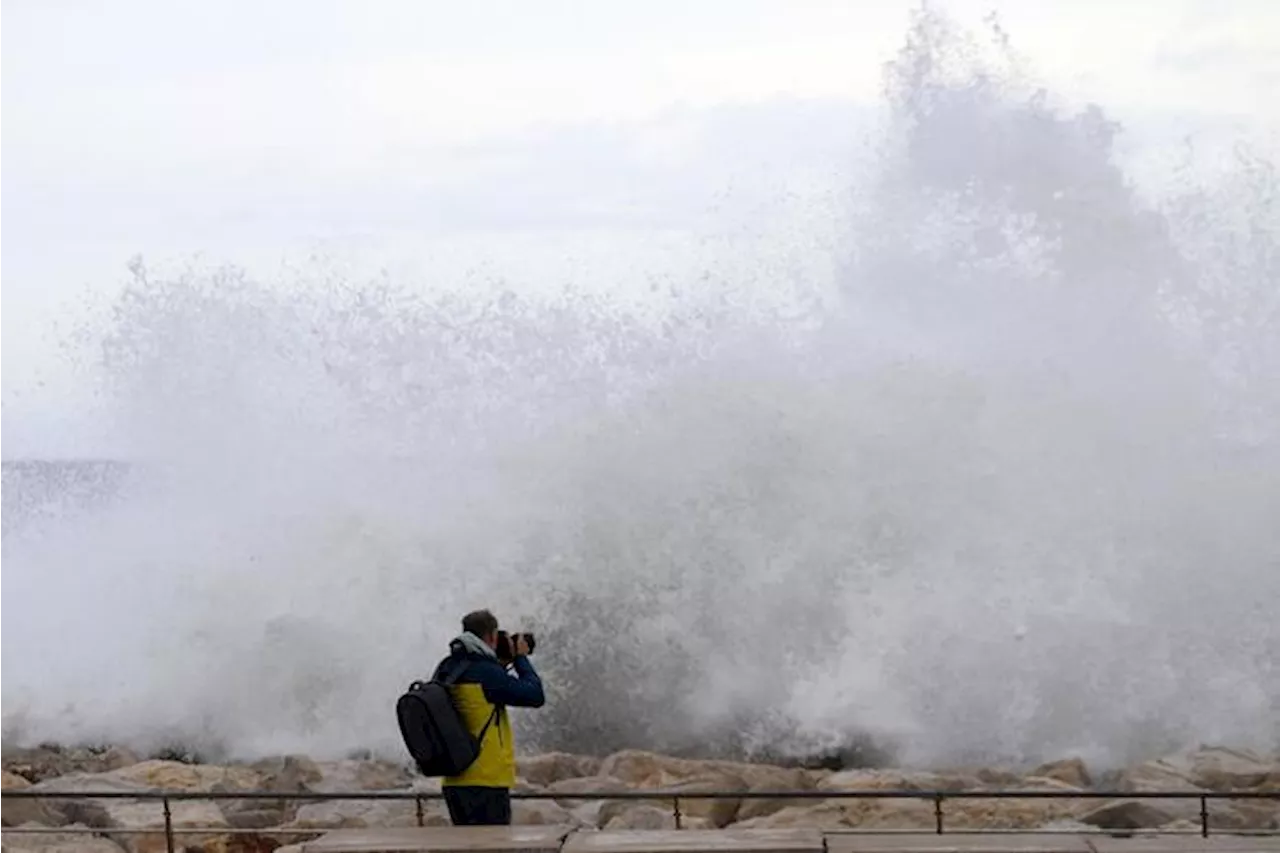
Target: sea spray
[1009, 498]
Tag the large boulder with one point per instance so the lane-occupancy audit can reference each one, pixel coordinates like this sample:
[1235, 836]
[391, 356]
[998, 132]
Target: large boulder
[17, 812]
[884, 780]
[774, 779]
[1161, 774]
[178, 776]
[543, 813]
[642, 816]
[315, 818]
[248, 843]
[551, 767]
[1070, 770]
[1007, 814]
[287, 773]
[646, 769]
[37, 764]
[1218, 768]
[132, 816]
[1128, 815]
[86, 811]
[138, 814]
[353, 775]
[340, 814]
[718, 812]
[611, 809]
[573, 792]
[824, 815]
[70, 842]
[652, 770]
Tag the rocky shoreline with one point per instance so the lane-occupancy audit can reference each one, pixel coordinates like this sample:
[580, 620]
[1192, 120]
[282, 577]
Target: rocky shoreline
[571, 779]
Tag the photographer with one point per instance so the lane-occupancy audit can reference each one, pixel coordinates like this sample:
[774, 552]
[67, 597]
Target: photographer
[482, 793]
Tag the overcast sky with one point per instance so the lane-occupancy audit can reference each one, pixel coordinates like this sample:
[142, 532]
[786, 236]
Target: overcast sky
[427, 137]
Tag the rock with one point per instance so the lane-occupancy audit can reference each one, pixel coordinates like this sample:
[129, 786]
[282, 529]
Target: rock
[287, 773]
[177, 776]
[650, 770]
[350, 775]
[1128, 814]
[315, 818]
[588, 785]
[524, 786]
[1244, 815]
[1221, 769]
[1159, 775]
[613, 808]
[883, 780]
[77, 782]
[750, 808]
[918, 814]
[86, 811]
[543, 770]
[645, 769]
[14, 782]
[1043, 783]
[254, 814]
[132, 815]
[642, 816]
[17, 812]
[59, 842]
[249, 843]
[825, 815]
[1012, 813]
[118, 757]
[542, 813]
[153, 775]
[1069, 770]
[47, 762]
[998, 777]
[775, 779]
[588, 813]
[719, 812]
[889, 814]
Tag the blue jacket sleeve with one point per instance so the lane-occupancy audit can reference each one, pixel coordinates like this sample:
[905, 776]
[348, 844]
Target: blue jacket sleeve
[523, 691]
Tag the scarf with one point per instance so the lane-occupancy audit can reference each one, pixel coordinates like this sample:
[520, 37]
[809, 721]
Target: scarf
[473, 644]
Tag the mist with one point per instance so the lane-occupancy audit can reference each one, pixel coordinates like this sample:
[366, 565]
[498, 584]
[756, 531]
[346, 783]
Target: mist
[1005, 493]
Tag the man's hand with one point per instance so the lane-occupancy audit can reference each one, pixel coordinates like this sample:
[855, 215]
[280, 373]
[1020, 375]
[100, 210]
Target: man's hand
[522, 646]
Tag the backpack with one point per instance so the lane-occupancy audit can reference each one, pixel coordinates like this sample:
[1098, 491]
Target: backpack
[434, 732]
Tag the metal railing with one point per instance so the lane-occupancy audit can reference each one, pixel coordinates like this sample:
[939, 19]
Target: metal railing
[420, 798]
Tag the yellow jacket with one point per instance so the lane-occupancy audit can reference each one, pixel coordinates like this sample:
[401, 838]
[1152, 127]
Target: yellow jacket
[482, 694]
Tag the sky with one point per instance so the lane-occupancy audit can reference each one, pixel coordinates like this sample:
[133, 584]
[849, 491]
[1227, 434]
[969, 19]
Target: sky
[542, 140]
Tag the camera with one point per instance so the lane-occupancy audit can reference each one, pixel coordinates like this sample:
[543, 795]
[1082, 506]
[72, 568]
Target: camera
[507, 645]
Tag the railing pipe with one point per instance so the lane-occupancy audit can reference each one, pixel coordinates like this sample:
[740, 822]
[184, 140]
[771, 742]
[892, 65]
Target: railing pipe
[655, 794]
[167, 798]
[168, 827]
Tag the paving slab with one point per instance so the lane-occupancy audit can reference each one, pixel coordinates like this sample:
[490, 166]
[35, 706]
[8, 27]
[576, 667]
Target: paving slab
[442, 839]
[1185, 844]
[931, 842]
[730, 840]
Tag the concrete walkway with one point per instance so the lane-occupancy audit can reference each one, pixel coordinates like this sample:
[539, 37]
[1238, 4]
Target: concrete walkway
[563, 839]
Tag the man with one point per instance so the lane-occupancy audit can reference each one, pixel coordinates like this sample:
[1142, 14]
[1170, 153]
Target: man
[482, 793]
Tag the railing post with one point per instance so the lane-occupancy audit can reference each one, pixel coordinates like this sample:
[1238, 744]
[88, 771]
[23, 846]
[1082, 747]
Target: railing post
[418, 802]
[1204, 816]
[675, 806]
[168, 827]
[937, 813]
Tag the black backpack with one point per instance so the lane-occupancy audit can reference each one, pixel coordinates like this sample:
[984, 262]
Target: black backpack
[434, 731]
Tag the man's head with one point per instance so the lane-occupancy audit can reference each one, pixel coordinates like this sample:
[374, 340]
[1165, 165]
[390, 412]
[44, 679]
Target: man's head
[484, 625]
